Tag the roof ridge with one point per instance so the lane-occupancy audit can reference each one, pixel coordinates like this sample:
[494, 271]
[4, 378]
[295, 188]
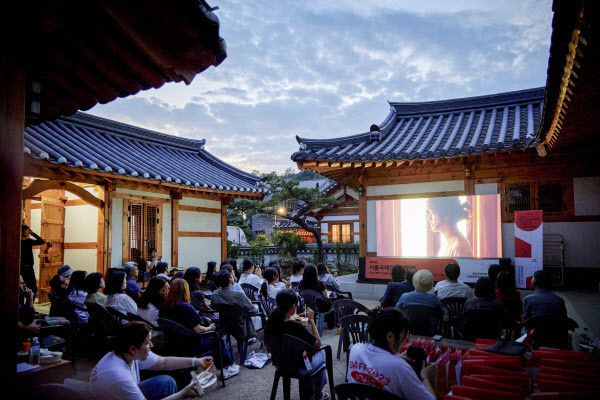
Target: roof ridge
[133, 131]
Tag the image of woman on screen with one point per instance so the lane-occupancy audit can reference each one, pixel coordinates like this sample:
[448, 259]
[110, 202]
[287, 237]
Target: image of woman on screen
[444, 214]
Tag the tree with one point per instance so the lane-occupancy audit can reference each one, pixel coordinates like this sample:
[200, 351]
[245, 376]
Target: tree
[288, 243]
[285, 191]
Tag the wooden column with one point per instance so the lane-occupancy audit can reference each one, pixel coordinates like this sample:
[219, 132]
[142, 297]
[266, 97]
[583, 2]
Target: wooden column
[100, 245]
[12, 125]
[104, 229]
[224, 203]
[469, 180]
[175, 197]
[362, 215]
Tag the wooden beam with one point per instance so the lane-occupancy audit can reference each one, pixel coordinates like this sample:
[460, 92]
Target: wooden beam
[80, 245]
[41, 185]
[100, 236]
[362, 215]
[147, 199]
[108, 193]
[416, 195]
[174, 232]
[201, 234]
[200, 209]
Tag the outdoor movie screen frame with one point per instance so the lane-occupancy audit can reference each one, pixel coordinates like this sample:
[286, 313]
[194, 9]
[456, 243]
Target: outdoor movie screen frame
[440, 227]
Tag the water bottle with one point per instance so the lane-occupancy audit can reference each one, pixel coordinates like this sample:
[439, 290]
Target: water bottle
[34, 352]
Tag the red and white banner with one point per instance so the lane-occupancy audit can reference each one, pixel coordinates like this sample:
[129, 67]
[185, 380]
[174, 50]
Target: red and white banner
[529, 246]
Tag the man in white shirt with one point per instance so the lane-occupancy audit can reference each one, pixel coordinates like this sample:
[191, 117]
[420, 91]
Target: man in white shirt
[117, 374]
[162, 271]
[248, 275]
[452, 287]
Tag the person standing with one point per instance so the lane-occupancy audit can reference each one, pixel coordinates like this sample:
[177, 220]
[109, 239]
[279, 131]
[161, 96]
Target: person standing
[27, 244]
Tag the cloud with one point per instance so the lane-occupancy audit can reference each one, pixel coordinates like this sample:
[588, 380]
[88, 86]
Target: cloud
[326, 69]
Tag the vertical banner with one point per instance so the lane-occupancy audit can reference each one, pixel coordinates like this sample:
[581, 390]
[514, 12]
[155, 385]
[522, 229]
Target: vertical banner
[529, 246]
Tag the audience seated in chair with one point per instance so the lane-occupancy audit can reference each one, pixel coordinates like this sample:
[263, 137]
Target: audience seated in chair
[326, 277]
[193, 277]
[226, 295]
[236, 286]
[282, 322]
[493, 271]
[234, 269]
[116, 376]
[423, 283]
[162, 270]
[451, 286]
[543, 301]
[115, 286]
[94, 283]
[378, 363]
[249, 275]
[177, 308]
[210, 276]
[132, 272]
[310, 280]
[505, 287]
[271, 275]
[297, 272]
[59, 290]
[401, 283]
[484, 297]
[77, 295]
[152, 300]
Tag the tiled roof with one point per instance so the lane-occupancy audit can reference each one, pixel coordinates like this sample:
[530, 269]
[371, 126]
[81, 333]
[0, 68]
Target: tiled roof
[323, 185]
[437, 129]
[94, 143]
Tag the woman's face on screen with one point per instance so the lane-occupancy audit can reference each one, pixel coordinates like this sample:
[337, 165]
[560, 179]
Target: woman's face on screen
[435, 221]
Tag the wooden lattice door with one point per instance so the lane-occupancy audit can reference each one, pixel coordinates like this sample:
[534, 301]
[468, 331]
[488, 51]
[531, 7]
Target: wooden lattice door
[53, 232]
[144, 231]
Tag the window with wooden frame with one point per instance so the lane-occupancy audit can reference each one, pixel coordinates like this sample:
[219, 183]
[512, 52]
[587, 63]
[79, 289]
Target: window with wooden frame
[341, 232]
[552, 197]
[142, 230]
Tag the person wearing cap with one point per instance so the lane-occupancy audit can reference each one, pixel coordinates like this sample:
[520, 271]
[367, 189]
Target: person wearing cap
[59, 288]
[132, 289]
[423, 283]
[27, 244]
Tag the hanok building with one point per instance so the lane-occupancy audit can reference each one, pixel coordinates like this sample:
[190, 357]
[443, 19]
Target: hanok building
[107, 193]
[505, 143]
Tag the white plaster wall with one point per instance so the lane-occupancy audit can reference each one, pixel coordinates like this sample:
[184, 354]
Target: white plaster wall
[371, 226]
[190, 201]
[324, 228]
[486, 188]
[116, 255]
[192, 221]
[166, 234]
[81, 224]
[410, 188]
[197, 252]
[142, 193]
[582, 247]
[586, 193]
[81, 259]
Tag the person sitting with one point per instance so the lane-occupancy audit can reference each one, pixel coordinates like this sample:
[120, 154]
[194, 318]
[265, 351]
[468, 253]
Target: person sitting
[226, 295]
[310, 280]
[77, 295]
[249, 276]
[423, 283]
[211, 273]
[326, 277]
[236, 286]
[234, 266]
[297, 271]
[162, 270]
[397, 287]
[58, 288]
[281, 322]
[493, 271]
[505, 287]
[543, 301]
[193, 277]
[484, 297]
[117, 374]
[115, 286]
[93, 283]
[274, 286]
[378, 364]
[132, 272]
[177, 308]
[152, 299]
[452, 287]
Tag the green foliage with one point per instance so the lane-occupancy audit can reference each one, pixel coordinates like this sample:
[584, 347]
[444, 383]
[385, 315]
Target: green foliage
[241, 224]
[257, 250]
[344, 252]
[288, 243]
[233, 250]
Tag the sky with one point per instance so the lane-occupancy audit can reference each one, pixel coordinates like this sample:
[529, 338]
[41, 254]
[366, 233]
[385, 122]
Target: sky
[321, 69]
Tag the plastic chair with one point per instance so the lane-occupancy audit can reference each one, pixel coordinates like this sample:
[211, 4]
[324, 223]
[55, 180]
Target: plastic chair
[550, 331]
[267, 304]
[420, 318]
[453, 307]
[514, 309]
[286, 351]
[101, 324]
[57, 391]
[232, 322]
[251, 291]
[362, 391]
[484, 323]
[343, 308]
[356, 330]
[340, 294]
[319, 304]
[117, 315]
[295, 286]
[182, 342]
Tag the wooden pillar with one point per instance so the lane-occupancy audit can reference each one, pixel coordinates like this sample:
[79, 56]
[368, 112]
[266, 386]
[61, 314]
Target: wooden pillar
[224, 203]
[12, 125]
[175, 197]
[469, 180]
[362, 215]
[104, 229]
[100, 244]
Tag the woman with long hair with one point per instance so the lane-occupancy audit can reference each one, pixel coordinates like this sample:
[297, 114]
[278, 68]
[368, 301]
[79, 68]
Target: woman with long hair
[444, 214]
[177, 308]
[77, 295]
[485, 296]
[210, 276]
[115, 286]
[377, 363]
[281, 322]
[94, 283]
[193, 276]
[152, 299]
[505, 287]
[310, 280]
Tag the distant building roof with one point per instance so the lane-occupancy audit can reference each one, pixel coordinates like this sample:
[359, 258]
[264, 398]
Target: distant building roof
[436, 129]
[94, 143]
[324, 185]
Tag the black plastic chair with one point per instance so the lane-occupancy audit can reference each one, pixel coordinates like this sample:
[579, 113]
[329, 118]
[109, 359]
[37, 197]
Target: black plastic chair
[362, 391]
[343, 308]
[514, 309]
[252, 292]
[340, 294]
[319, 304]
[420, 318]
[295, 286]
[182, 342]
[286, 351]
[117, 315]
[453, 307]
[550, 331]
[356, 330]
[267, 304]
[101, 326]
[483, 323]
[232, 322]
